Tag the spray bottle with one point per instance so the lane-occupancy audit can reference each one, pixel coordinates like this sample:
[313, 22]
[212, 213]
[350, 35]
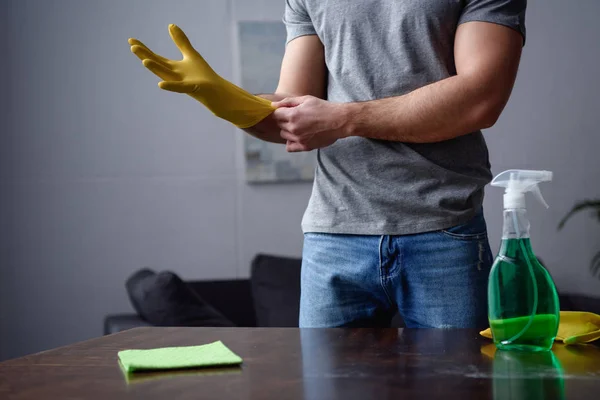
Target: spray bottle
[523, 304]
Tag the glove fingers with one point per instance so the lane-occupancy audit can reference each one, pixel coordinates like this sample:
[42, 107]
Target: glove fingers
[178, 87]
[140, 47]
[161, 70]
[145, 54]
[181, 40]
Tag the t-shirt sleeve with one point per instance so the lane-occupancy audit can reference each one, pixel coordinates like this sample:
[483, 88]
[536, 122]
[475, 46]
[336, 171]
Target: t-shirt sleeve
[296, 20]
[510, 13]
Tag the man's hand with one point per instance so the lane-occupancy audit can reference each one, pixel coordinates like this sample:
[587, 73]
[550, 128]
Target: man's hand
[303, 72]
[309, 123]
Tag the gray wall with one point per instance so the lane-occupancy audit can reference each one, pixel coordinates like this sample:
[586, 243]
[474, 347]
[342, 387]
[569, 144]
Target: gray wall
[4, 127]
[110, 174]
[553, 122]
[101, 173]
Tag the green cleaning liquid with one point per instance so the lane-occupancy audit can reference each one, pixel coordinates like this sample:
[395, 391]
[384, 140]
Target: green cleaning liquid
[523, 303]
[535, 337]
[523, 307]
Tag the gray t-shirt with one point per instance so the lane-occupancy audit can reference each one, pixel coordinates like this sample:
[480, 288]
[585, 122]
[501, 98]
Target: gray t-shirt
[382, 48]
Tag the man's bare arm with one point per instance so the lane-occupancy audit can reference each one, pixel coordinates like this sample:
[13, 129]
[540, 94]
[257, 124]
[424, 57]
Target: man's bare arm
[303, 72]
[487, 58]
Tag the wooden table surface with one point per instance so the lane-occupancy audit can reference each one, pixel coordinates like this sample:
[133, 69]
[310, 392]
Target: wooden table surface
[310, 364]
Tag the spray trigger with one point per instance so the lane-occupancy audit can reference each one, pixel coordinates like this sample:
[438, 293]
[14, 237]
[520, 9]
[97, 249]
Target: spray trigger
[535, 190]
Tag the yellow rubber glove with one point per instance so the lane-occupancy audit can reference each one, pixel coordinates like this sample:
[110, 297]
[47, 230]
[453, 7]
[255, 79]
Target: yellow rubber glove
[574, 327]
[194, 77]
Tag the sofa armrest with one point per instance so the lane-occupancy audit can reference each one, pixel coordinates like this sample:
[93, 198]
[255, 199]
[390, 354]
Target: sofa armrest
[121, 322]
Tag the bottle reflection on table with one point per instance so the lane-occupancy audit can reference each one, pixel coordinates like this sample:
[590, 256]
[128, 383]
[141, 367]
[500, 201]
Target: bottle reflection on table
[531, 376]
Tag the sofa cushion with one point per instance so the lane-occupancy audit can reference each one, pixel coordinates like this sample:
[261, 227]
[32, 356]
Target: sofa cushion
[163, 299]
[133, 287]
[276, 290]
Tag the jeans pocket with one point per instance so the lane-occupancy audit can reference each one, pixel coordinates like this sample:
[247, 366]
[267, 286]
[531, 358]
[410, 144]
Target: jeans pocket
[475, 229]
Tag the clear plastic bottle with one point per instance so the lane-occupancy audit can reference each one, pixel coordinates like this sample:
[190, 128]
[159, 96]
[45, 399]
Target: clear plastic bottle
[523, 307]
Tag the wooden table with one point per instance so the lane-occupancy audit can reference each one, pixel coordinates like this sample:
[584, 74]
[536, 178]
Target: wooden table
[310, 364]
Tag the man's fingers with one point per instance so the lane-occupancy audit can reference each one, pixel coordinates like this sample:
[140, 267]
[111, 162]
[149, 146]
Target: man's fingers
[181, 40]
[161, 70]
[294, 147]
[288, 102]
[178, 87]
[282, 114]
[142, 51]
[288, 136]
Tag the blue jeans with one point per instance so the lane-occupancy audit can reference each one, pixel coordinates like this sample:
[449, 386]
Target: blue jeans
[435, 279]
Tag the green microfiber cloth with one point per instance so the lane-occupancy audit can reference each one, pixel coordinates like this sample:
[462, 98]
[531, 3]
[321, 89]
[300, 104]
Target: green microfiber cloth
[208, 355]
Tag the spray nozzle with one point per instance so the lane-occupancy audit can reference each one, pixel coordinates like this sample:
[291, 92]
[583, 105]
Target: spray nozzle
[518, 182]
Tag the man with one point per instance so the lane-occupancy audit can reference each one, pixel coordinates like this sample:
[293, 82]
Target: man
[392, 94]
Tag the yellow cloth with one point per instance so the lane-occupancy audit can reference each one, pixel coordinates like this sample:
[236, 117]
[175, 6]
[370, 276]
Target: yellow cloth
[574, 327]
[575, 360]
[194, 77]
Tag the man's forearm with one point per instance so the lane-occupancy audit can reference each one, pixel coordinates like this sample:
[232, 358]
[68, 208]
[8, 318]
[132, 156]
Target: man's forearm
[267, 129]
[486, 57]
[440, 111]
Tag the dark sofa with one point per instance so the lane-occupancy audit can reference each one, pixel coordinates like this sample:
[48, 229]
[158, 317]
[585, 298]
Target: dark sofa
[271, 297]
